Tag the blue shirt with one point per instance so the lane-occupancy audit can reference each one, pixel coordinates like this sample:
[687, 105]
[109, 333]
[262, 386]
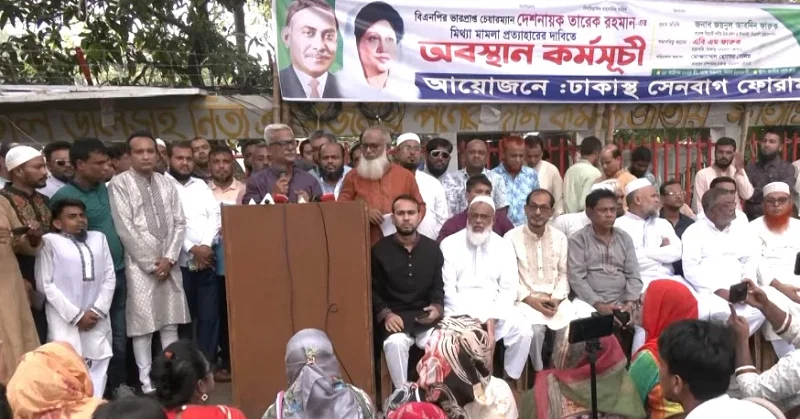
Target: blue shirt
[517, 190]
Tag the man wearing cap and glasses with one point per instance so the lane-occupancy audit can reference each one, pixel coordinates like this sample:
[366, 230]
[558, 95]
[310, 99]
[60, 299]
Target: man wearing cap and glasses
[26, 168]
[56, 155]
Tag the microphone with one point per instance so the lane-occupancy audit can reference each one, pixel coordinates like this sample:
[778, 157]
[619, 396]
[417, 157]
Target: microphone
[326, 197]
[280, 199]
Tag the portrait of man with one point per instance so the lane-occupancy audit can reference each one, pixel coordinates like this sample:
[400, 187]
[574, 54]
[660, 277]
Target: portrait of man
[311, 36]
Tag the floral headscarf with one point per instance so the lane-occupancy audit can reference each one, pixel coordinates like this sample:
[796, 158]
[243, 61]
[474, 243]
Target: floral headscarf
[52, 382]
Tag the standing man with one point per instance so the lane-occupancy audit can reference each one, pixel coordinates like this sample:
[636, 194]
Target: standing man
[27, 172]
[331, 168]
[437, 156]
[307, 154]
[641, 158]
[260, 159]
[4, 178]
[769, 167]
[480, 281]
[91, 160]
[56, 155]
[407, 154]
[149, 220]
[718, 253]
[227, 191]
[549, 176]
[310, 35]
[729, 163]
[377, 182]
[580, 176]
[611, 163]
[281, 177]
[476, 185]
[407, 289]
[197, 255]
[475, 162]
[779, 237]
[601, 267]
[518, 178]
[542, 266]
[315, 142]
[75, 271]
[120, 157]
[200, 150]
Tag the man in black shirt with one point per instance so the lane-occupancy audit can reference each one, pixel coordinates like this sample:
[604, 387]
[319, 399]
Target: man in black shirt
[407, 287]
[672, 200]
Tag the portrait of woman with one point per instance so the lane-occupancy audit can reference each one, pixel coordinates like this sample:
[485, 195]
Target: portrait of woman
[378, 32]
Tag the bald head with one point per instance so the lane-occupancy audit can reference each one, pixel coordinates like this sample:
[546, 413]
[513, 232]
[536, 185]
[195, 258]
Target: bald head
[477, 155]
[610, 160]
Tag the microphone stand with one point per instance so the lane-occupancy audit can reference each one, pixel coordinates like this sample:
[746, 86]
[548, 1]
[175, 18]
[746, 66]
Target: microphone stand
[592, 347]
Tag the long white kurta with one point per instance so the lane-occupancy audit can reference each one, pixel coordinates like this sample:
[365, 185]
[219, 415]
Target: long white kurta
[714, 260]
[482, 283]
[777, 254]
[149, 220]
[60, 267]
[437, 210]
[655, 260]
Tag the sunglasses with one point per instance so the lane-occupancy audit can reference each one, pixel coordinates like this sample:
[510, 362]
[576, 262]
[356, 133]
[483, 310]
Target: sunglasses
[62, 162]
[440, 153]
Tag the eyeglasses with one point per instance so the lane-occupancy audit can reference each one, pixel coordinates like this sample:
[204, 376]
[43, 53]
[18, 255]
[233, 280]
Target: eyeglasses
[62, 162]
[373, 147]
[285, 143]
[440, 153]
[681, 193]
[777, 201]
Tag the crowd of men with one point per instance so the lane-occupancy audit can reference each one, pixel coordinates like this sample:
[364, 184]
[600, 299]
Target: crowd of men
[122, 242]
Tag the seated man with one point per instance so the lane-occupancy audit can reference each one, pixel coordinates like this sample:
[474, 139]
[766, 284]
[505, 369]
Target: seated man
[480, 281]
[569, 224]
[407, 291]
[601, 263]
[718, 253]
[657, 245]
[476, 185]
[780, 242]
[729, 185]
[542, 265]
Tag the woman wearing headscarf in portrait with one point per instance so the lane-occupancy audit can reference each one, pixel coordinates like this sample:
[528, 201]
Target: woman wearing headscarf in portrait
[316, 389]
[183, 379]
[376, 72]
[564, 392]
[52, 382]
[665, 302]
[454, 374]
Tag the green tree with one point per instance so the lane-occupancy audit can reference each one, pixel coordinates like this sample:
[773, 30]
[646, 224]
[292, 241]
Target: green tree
[130, 42]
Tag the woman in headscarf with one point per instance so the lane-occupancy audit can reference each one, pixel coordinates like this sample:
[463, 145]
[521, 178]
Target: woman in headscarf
[183, 379]
[316, 389]
[52, 382]
[565, 392]
[454, 374]
[665, 302]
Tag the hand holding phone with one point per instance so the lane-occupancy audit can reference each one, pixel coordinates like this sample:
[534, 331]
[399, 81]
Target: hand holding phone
[623, 316]
[737, 293]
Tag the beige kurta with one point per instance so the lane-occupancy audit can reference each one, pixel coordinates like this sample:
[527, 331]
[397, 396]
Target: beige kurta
[149, 219]
[17, 330]
[542, 267]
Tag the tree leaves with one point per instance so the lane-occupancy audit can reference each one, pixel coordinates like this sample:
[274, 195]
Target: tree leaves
[125, 42]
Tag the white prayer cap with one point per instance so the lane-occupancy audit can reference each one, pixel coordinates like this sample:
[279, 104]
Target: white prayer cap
[160, 142]
[609, 186]
[20, 155]
[409, 136]
[635, 185]
[779, 187]
[484, 199]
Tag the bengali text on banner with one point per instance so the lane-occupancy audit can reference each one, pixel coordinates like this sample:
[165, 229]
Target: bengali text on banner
[551, 51]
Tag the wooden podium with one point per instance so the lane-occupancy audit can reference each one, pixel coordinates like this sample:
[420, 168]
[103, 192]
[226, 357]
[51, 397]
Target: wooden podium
[290, 267]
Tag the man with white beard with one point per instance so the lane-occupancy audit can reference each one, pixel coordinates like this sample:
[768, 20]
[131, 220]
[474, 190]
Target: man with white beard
[377, 181]
[481, 281]
[779, 237]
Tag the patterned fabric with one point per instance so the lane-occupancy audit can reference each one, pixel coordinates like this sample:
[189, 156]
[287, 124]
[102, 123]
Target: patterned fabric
[29, 208]
[316, 389]
[455, 189]
[52, 382]
[517, 189]
[153, 207]
[644, 374]
[417, 410]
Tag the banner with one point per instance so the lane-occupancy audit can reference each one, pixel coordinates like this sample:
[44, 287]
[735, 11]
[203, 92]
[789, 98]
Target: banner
[563, 51]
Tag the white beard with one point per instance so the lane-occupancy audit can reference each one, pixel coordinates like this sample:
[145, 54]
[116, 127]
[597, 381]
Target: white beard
[478, 239]
[373, 169]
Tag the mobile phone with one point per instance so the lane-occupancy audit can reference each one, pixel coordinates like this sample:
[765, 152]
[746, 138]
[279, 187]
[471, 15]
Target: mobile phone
[797, 264]
[593, 327]
[623, 316]
[737, 293]
[20, 230]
